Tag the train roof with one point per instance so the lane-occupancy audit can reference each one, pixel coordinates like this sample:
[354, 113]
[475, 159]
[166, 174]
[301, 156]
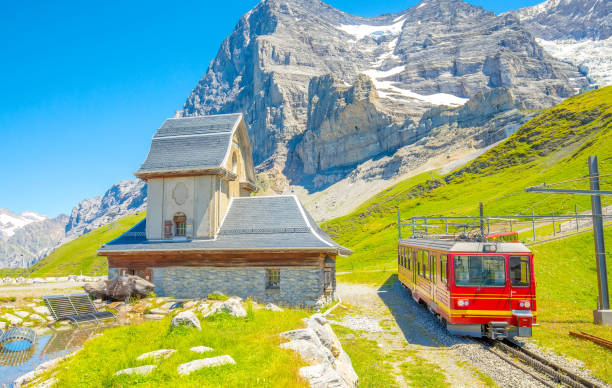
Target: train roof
[465, 246]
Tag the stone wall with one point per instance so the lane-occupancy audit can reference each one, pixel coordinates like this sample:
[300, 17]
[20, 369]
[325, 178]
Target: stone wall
[299, 286]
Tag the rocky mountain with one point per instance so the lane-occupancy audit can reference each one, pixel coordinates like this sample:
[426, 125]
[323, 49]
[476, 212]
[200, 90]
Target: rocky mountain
[26, 237]
[123, 198]
[324, 91]
[575, 31]
[568, 19]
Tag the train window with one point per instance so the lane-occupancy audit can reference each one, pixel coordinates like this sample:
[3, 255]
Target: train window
[478, 271]
[443, 270]
[519, 271]
[407, 258]
[425, 264]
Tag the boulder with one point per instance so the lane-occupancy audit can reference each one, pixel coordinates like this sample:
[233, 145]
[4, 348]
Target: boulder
[310, 352]
[302, 334]
[186, 318]
[119, 288]
[345, 369]
[273, 307]
[192, 366]
[322, 376]
[156, 354]
[201, 349]
[139, 370]
[232, 306]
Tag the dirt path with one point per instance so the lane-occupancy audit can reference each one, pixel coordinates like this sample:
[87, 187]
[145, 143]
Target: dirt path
[408, 332]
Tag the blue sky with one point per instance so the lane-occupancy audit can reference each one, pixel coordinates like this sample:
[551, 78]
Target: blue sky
[84, 85]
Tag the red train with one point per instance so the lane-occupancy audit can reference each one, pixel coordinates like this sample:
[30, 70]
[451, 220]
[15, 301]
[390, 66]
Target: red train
[478, 289]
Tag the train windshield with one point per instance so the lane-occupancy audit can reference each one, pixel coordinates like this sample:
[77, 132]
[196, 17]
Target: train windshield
[519, 271]
[478, 271]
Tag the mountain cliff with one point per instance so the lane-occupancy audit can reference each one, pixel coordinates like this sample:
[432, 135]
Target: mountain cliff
[299, 70]
[26, 237]
[575, 31]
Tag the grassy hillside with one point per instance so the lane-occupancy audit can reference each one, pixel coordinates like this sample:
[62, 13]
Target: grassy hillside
[552, 147]
[79, 256]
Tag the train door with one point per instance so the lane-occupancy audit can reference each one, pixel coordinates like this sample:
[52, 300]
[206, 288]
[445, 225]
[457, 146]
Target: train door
[522, 299]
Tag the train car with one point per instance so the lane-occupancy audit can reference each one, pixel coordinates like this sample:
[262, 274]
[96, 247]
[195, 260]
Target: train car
[478, 289]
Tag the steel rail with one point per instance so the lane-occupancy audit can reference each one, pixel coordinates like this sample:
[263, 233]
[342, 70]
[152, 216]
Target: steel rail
[590, 337]
[541, 364]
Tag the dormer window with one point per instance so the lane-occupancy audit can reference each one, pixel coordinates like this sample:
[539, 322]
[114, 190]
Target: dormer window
[180, 224]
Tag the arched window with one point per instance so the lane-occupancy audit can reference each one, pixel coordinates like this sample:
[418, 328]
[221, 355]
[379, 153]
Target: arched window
[235, 164]
[180, 224]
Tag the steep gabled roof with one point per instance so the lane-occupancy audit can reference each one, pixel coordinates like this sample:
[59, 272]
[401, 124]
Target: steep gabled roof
[251, 223]
[191, 144]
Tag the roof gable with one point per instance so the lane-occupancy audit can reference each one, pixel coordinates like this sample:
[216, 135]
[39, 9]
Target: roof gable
[191, 144]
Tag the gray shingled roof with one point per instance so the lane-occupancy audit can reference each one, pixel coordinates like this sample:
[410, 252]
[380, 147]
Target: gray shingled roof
[251, 223]
[190, 143]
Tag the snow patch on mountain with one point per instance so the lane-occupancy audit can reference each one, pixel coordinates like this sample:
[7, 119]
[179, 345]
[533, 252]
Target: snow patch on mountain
[10, 222]
[389, 89]
[593, 57]
[360, 31]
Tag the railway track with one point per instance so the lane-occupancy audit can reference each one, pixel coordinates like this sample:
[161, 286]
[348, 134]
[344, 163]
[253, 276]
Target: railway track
[511, 352]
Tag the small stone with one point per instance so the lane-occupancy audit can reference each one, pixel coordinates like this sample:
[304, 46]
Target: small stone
[28, 324]
[42, 310]
[37, 317]
[12, 319]
[201, 349]
[2, 325]
[116, 305]
[22, 314]
[190, 304]
[139, 370]
[186, 318]
[192, 366]
[273, 307]
[158, 311]
[166, 306]
[154, 316]
[156, 354]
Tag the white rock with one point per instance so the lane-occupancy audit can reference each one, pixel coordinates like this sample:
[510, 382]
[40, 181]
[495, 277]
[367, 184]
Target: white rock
[232, 306]
[22, 314]
[310, 352]
[302, 334]
[192, 366]
[201, 349]
[156, 354]
[345, 369]
[27, 324]
[322, 376]
[158, 311]
[2, 325]
[37, 317]
[47, 383]
[166, 306]
[154, 316]
[190, 304]
[12, 319]
[273, 307]
[43, 310]
[186, 318]
[139, 370]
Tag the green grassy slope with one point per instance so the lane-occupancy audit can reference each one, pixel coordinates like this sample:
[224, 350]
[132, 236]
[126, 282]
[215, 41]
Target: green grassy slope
[552, 147]
[79, 255]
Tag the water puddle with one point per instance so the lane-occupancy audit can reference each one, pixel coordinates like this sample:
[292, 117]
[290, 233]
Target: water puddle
[14, 363]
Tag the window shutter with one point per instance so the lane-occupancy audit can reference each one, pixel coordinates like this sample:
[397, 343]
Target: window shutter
[168, 229]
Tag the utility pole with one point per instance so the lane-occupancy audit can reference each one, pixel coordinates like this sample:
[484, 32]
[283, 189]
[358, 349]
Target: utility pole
[603, 314]
[399, 225]
[600, 250]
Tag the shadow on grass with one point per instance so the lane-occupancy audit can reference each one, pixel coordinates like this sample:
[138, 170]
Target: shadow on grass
[418, 325]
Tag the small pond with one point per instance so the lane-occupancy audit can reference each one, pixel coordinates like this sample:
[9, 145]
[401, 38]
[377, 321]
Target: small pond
[48, 346]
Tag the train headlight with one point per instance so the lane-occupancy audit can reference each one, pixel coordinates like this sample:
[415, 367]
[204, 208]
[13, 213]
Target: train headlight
[527, 304]
[463, 303]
